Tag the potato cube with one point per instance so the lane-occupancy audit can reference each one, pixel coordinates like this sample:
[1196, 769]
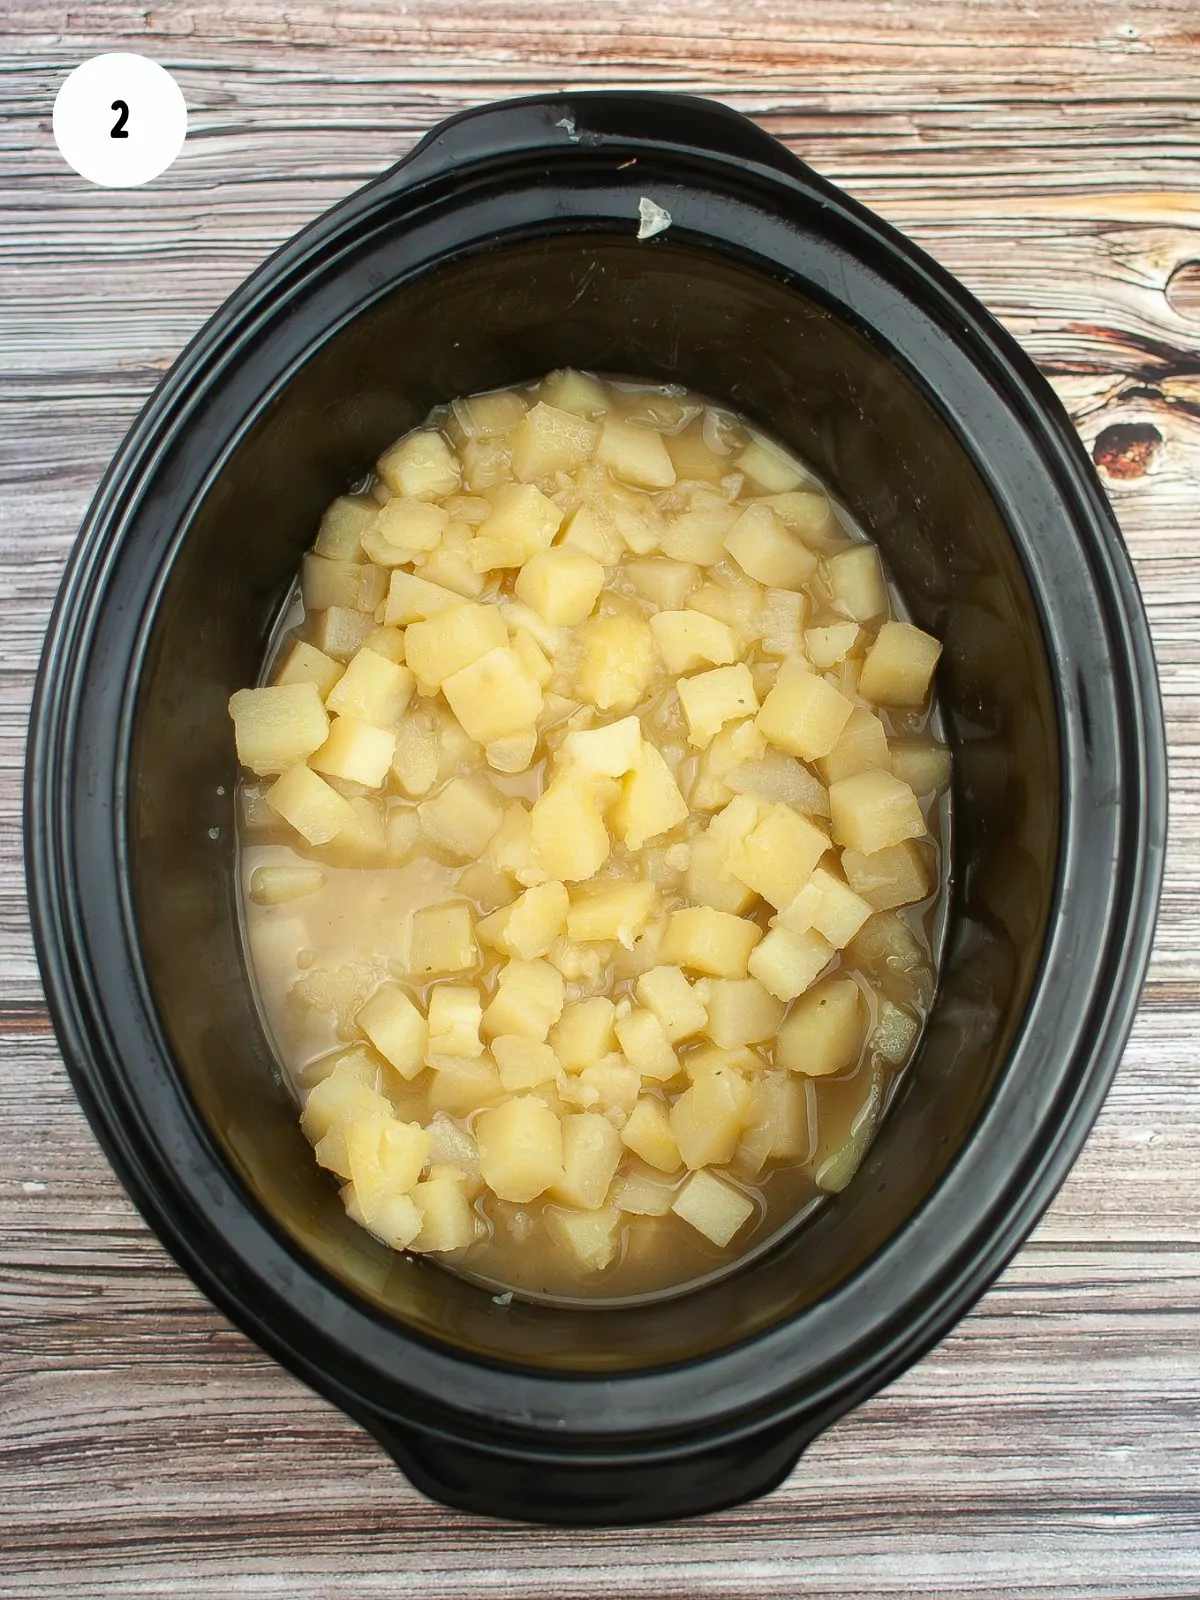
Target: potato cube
[617, 662]
[780, 1129]
[609, 751]
[788, 962]
[520, 1148]
[396, 1028]
[591, 1153]
[664, 582]
[645, 1045]
[713, 1207]
[275, 886]
[345, 521]
[857, 584]
[415, 762]
[829, 645]
[591, 1238]
[767, 551]
[483, 415]
[803, 714]
[452, 1146]
[779, 777]
[530, 924]
[451, 570]
[825, 1030]
[698, 534]
[385, 1159]
[304, 663]
[447, 1219]
[709, 941]
[494, 696]
[610, 1085]
[893, 876]
[340, 631]
[455, 1014]
[567, 833]
[711, 699]
[452, 640]
[923, 766]
[688, 639]
[356, 751]
[462, 819]
[830, 906]
[364, 840]
[899, 666]
[313, 807]
[741, 1011]
[808, 512]
[591, 530]
[641, 1194]
[511, 849]
[523, 521]
[550, 440]
[672, 999]
[325, 583]
[614, 910]
[421, 466]
[514, 753]
[649, 803]
[781, 623]
[373, 689]
[404, 530]
[777, 857]
[442, 940]
[579, 392]
[584, 1033]
[401, 831]
[708, 1119]
[709, 882]
[647, 1132]
[768, 466]
[397, 1223]
[861, 745]
[486, 884]
[342, 1096]
[873, 810]
[528, 1000]
[278, 727]
[562, 585]
[414, 599]
[461, 1084]
[635, 455]
[524, 1063]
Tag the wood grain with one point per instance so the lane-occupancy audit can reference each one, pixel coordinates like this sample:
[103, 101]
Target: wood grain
[1050, 156]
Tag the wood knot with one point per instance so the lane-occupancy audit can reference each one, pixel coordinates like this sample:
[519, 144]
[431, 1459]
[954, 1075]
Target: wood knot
[1183, 290]
[1126, 449]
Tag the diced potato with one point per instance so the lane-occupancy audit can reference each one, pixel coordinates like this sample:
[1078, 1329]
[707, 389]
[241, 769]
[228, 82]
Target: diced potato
[524, 1063]
[530, 924]
[356, 751]
[304, 663]
[397, 1223]
[373, 689]
[364, 840]
[649, 803]
[567, 833]
[713, 1207]
[340, 1097]
[549, 440]
[645, 1045]
[514, 753]
[828, 905]
[781, 624]
[511, 849]
[709, 882]
[579, 392]
[923, 766]
[495, 696]
[421, 466]
[523, 521]
[447, 1220]
[455, 1014]
[741, 1011]
[591, 530]
[520, 1148]
[461, 1084]
[668, 994]
[688, 639]
[452, 640]
[325, 583]
[313, 807]
[831, 644]
[415, 762]
[402, 830]
[803, 714]
[442, 940]
[641, 1194]
[708, 1119]
[562, 585]
[340, 631]
[528, 1000]
[788, 962]
[591, 1238]
[278, 727]
[461, 819]
[739, 608]
[591, 1154]
[372, 590]
[824, 1032]
[584, 1033]
[768, 466]
[450, 1145]
[899, 666]
[385, 1159]
[636, 455]
[779, 777]
[873, 810]
[345, 521]
[413, 599]
[617, 662]
[777, 857]
[396, 1028]
[274, 886]
[856, 583]
[486, 462]
[698, 534]
[610, 1085]
[709, 941]
[767, 551]
[614, 910]
[780, 1129]
[404, 530]
[861, 745]
[452, 570]
[609, 751]
[694, 459]
[893, 876]
[647, 1132]
[664, 582]
[711, 699]
[483, 415]
[808, 512]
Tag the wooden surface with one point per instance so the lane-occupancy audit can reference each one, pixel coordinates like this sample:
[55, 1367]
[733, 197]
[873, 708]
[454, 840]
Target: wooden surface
[1048, 154]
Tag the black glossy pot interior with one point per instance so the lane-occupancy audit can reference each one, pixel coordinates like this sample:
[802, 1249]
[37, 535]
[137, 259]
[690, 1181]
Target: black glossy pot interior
[704, 319]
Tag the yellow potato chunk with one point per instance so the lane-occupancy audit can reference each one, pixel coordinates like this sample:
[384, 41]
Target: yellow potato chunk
[415, 762]
[483, 415]
[579, 392]
[709, 941]
[275, 886]
[339, 631]
[825, 1030]
[777, 857]
[645, 1045]
[861, 745]
[524, 1063]
[494, 696]
[325, 583]
[404, 530]
[830, 906]
[398, 1222]
[447, 1220]
[689, 639]
[350, 1090]
[590, 1238]
[385, 1158]
[741, 1011]
[780, 1129]
[591, 530]
[829, 645]
[617, 662]
[667, 993]
[698, 534]
[708, 1119]
[768, 466]
[414, 599]
[649, 803]
[803, 715]
[613, 910]
[567, 834]
[591, 1154]
[511, 849]
[345, 521]
[442, 940]
[641, 1194]
[561, 585]
[304, 663]
[278, 727]
[635, 455]
[549, 440]
[313, 807]
[709, 882]
[786, 963]
[528, 927]
[893, 876]
[899, 665]
[356, 751]
[396, 1028]
[647, 1132]
[452, 640]
[462, 819]
[462, 1084]
[713, 1207]
[373, 689]
[873, 810]
[923, 766]
[455, 1014]
[711, 699]
[528, 1000]
[609, 751]
[857, 584]
[421, 466]
[664, 582]
[767, 551]
[520, 1148]
[584, 1034]
[522, 522]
